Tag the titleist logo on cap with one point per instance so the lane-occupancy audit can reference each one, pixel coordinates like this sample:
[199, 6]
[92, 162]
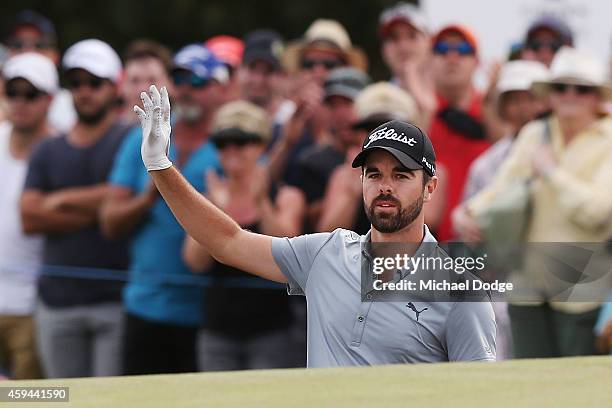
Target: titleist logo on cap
[390, 133]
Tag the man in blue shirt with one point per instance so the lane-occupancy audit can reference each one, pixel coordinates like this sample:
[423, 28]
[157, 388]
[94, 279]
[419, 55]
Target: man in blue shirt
[162, 303]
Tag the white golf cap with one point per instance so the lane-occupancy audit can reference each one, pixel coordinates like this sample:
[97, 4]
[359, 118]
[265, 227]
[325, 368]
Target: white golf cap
[520, 75]
[94, 56]
[34, 68]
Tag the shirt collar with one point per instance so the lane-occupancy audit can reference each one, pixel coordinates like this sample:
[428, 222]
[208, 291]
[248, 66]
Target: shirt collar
[424, 248]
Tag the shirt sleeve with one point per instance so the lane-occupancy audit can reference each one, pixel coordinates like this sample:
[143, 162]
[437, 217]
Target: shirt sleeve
[128, 163]
[517, 165]
[36, 178]
[295, 256]
[471, 332]
[586, 201]
[471, 184]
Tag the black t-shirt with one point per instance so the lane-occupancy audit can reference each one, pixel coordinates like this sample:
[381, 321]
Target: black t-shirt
[315, 167]
[234, 309]
[55, 165]
[291, 171]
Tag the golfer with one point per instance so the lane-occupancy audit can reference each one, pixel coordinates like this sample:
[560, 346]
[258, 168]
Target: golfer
[398, 176]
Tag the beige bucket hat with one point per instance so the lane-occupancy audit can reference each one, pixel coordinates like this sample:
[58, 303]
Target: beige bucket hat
[327, 35]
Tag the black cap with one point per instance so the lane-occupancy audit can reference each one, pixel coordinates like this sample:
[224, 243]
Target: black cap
[406, 142]
[36, 20]
[554, 24]
[264, 45]
[345, 81]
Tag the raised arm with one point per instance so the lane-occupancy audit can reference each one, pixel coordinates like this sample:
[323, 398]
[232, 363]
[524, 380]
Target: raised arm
[221, 236]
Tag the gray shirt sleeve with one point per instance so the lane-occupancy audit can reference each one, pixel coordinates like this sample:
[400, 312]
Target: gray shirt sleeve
[295, 256]
[471, 332]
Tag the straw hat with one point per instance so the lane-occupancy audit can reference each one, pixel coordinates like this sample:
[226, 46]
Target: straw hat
[575, 67]
[381, 102]
[241, 119]
[326, 35]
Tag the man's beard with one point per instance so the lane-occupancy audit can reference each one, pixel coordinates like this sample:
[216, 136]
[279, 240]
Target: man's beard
[389, 223]
[93, 118]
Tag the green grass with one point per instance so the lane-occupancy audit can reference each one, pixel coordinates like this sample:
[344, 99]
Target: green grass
[584, 381]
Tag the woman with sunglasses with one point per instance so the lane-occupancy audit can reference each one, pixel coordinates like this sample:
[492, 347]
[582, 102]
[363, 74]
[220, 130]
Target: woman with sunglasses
[568, 160]
[247, 320]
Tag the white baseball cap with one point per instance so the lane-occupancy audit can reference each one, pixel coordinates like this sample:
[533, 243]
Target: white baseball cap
[37, 69]
[402, 12]
[94, 56]
[520, 75]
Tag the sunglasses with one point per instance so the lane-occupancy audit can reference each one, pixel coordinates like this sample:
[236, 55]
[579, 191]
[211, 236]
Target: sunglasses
[76, 83]
[462, 48]
[536, 45]
[579, 89]
[329, 64]
[224, 143]
[29, 94]
[188, 78]
[17, 44]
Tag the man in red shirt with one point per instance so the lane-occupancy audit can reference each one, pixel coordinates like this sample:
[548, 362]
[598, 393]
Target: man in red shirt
[456, 130]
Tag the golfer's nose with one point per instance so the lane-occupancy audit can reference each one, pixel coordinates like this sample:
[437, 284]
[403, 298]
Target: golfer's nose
[385, 186]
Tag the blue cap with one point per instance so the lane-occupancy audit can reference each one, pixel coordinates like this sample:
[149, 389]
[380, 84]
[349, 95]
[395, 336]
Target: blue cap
[36, 20]
[200, 61]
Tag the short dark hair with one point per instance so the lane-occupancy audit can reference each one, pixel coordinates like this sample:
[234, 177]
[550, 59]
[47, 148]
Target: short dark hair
[144, 48]
[426, 178]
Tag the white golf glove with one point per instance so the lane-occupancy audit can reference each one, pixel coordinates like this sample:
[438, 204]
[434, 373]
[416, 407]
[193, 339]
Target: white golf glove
[155, 122]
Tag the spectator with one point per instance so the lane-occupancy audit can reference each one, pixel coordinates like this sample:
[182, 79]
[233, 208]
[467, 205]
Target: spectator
[571, 201]
[78, 316]
[32, 32]
[404, 32]
[162, 310]
[145, 62]
[342, 206]
[544, 37]
[516, 106]
[456, 125]
[316, 163]
[261, 73]
[229, 50]
[31, 81]
[245, 328]
[326, 45]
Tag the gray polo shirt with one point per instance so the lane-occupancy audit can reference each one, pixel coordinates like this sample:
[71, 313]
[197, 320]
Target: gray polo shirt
[344, 331]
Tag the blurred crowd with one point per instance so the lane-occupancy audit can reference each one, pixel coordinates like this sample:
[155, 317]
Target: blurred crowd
[97, 277]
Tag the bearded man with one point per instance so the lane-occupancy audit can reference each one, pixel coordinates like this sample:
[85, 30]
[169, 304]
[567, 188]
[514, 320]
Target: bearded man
[348, 323]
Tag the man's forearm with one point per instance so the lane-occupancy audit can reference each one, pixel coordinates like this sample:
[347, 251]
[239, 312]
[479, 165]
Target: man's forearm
[207, 224]
[39, 221]
[277, 159]
[338, 213]
[118, 218]
[81, 199]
